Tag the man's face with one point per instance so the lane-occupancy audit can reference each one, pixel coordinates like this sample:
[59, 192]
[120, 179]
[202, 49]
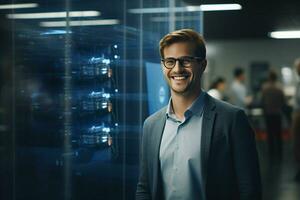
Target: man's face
[242, 78]
[183, 80]
[222, 86]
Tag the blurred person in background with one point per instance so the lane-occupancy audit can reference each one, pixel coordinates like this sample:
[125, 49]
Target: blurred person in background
[273, 102]
[217, 89]
[296, 120]
[238, 90]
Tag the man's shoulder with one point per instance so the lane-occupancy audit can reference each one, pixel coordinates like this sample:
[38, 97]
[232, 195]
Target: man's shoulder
[156, 116]
[227, 113]
[224, 107]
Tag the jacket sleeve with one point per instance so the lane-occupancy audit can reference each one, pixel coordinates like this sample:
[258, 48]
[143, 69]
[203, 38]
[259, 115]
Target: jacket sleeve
[245, 158]
[143, 191]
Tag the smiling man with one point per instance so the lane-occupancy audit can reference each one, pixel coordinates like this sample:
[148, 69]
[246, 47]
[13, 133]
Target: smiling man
[196, 147]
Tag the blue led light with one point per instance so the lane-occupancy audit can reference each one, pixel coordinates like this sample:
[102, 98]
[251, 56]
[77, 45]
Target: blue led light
[99, 129]
[104, 105]
[106, 129]
[106, 61]
[106, 95]
[56, 32]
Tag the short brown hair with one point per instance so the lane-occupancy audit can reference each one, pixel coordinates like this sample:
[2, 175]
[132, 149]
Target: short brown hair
[272, 76]
[184, 35]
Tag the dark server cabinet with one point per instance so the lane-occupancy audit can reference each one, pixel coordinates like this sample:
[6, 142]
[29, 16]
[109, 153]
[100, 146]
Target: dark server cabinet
[68, 118]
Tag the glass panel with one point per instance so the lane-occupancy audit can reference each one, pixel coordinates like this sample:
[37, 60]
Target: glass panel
[75, 90]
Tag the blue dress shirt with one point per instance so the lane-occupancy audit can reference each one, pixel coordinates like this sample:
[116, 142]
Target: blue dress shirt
[180, 155]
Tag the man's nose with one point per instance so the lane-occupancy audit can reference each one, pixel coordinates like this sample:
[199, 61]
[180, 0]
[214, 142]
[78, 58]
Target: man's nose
[178, 66]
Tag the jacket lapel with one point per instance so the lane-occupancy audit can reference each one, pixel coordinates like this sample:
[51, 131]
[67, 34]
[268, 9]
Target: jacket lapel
[207, 128]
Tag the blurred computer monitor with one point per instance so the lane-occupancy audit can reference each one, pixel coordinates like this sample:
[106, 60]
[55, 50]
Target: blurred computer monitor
[158, 92]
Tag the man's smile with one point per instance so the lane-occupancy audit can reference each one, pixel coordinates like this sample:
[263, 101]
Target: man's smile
[180, 76]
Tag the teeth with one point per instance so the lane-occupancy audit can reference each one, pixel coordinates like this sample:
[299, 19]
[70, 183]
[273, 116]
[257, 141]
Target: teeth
[179, 77]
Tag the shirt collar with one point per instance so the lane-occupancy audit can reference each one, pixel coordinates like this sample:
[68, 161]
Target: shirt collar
[195, 109]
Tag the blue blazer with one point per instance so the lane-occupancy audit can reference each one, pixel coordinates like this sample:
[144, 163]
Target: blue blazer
[229, 158]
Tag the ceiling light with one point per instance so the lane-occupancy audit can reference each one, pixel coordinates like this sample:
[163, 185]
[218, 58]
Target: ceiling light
[204, 7]
[90, 13]
[17, 6]
[220, 7]
[193, 8]
[150, 10]
[285, 34]
[101, 22]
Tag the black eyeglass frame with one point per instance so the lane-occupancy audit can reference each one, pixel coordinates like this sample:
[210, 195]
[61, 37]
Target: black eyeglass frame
[180, 60]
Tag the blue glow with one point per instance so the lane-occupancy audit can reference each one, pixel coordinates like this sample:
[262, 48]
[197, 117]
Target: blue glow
[104, 70]
[94, 129]
[104, 140]
[95, 94]
[99, 95]
[106, 61]
[94, 59]
[115, 46]
[99, 60]
[56, 32]
[104, 105]
[99, 129]
[106, 95]
[104, 137]
[106, 129]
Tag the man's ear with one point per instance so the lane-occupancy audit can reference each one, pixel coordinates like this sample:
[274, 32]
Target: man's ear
[203, 65]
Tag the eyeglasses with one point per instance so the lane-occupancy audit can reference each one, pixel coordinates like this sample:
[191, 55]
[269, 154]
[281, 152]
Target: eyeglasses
[185, 61]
